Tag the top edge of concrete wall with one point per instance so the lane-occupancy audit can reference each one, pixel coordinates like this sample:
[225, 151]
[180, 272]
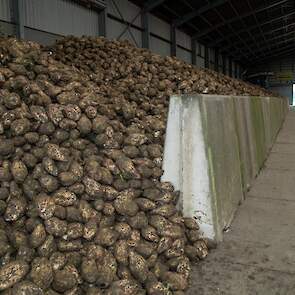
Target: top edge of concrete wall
[225, 95]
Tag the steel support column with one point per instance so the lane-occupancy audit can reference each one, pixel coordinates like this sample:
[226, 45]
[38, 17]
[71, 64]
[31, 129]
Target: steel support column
[224, 64]
[216, 59]
[18, 18]
[230, 67]
[194, 52]
[173, 40]
[102, 17]
[207, 63]
[236, 70]
[145, 29]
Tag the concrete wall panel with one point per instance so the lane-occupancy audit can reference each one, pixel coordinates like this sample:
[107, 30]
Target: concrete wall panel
[222, 143]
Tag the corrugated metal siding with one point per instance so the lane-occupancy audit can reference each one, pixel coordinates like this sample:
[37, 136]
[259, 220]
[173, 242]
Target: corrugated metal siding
[41, 37]
[5, 10]
[46, 19]
[114, 30]
[60, 17]
[286, 90]
[183, 39]
[159, 27]
[184, 55]
[160, 47]
[127, 9]
[7, 29]
[200, 62]
[211, 55]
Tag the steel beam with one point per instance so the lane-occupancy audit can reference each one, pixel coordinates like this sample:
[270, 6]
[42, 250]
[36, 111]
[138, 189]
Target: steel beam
[230, 67]
[276, 44]
[224, 64]
[216, 59]
[271, 40]
[276, 51]
[265, 33]
[236, 70]
[128, 24]
[177, 16]
[233, 30]
[231, 20]
[207, 62]
[151, 4]
[173, 40]
[191, 15]
[253, 27]
[102, 16]
[194, 51]
[259, 26]
[145, 29]
[17, 17]
[283, 53]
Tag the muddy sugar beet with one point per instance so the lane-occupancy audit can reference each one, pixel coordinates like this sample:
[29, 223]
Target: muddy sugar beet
[82, 207]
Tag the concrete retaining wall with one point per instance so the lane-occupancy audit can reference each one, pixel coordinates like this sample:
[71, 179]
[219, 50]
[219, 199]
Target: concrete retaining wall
[215, 147]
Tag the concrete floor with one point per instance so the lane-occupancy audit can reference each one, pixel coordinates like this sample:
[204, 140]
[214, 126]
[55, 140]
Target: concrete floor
[258, 252]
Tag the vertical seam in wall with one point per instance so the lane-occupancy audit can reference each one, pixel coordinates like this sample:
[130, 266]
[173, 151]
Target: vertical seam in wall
[181, 153]
[210, 171]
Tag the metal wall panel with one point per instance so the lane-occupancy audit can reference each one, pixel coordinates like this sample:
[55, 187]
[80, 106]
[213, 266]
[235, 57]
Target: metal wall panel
[127, 9]
[211, 55]
[286, 90]
[227, 65]
[62, 17]
[7, 29]
[220, 60]
[183, 39]
[159, 27]
[5, 10]
[184, 55]
[200, 62]
[115, 28]
[159, 46]
[41, 37]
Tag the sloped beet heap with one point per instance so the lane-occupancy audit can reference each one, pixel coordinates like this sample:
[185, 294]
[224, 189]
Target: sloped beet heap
[82, 207]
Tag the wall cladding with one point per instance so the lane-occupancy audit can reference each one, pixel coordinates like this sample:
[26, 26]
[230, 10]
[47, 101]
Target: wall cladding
[5, 10]
[41, 37]
[115, 30]
[184, 55]
[48, 20]
[65, 17]
[159, 46]
[159, 27]
[7, 28]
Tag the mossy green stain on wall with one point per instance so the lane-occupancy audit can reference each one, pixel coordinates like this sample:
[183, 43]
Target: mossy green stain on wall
[258, 129]
[243, 165]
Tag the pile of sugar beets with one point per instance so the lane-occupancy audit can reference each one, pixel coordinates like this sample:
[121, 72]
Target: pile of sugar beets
[82, 207]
